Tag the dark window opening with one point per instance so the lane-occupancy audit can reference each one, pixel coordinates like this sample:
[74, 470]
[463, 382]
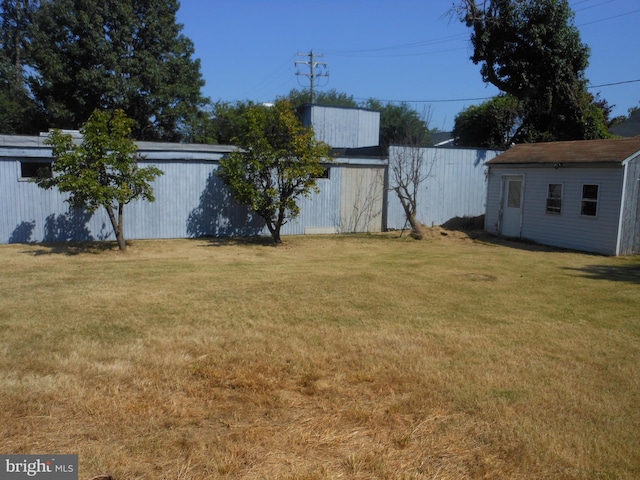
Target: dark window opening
[589, 200]
[324, 174]
[554, 198]
[32, 169]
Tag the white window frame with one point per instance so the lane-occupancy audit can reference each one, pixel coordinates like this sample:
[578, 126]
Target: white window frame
[551, 211]
[584, 200]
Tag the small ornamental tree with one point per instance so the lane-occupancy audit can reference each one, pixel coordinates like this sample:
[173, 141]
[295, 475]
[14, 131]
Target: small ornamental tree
[102, 171]
[278, 161]
[408, 169]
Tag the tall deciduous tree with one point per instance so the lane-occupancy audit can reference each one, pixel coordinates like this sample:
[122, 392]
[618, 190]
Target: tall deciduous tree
[18, 110]
[277, 163]
[103, 170]
[531, 50]
[130, 55]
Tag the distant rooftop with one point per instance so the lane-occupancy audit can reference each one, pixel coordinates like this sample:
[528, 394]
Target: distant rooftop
[628, 128]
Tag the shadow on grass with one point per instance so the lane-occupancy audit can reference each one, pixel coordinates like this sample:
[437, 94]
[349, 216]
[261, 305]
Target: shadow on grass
[628, 273]
[262, 240]
[75, 248]
[473, 227]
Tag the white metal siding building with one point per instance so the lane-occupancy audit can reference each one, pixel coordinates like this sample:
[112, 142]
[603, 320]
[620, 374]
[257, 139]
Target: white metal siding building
[192, 201]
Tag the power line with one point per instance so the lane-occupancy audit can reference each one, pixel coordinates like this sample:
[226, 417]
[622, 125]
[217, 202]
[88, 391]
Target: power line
[430, 101]
[609, 18]
[451, 100]
[371, 52]
[613, 84]
[593, 6]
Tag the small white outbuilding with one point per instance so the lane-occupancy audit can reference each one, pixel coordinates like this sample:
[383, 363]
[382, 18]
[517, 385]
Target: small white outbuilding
[582, 195]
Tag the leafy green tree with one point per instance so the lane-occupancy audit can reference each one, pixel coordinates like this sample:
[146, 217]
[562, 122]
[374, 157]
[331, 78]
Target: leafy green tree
[228, 120]
[103, 170]
[400, 124]
[328, 98]
[92, 54]
[493, 124]
[18, 111]
[531, 50]
[278, 162]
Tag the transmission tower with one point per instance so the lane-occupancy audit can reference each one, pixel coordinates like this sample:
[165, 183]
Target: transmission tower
[313, 67]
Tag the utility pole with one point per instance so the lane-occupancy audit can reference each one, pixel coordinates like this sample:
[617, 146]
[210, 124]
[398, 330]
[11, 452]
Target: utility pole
[312, 64]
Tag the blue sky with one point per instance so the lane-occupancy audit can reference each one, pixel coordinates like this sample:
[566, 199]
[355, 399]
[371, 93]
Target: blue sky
[399, 50]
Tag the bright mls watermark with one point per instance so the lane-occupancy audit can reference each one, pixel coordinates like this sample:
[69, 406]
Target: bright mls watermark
[45, 467]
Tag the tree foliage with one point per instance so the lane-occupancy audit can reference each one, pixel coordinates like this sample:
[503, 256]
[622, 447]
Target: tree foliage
[493, 124]
[531, 50]
[84, 55]
[229, 121]
[102, 171]
[278, 162]
[18, 110]
[331, 97]
[400, 124]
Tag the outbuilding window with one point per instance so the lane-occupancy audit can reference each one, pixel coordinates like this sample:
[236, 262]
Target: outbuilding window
[554, 198]
[589, 200]
[34, 168]
[325, 173]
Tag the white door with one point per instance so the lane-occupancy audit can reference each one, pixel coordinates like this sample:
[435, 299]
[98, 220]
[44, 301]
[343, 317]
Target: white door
[511, 206]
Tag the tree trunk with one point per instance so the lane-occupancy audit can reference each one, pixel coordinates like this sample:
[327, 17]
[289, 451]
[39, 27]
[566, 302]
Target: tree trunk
[409, 211]
[274, 229]
[118, 225]
[416, 228]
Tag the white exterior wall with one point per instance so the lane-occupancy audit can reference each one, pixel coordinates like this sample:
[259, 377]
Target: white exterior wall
[569, 229]
[344, 127]
[455, 185]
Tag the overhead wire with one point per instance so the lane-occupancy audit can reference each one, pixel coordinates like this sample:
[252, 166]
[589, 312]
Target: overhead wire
[378, 53]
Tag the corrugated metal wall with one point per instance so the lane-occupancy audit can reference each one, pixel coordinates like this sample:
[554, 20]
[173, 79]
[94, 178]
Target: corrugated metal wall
[343, 127]
[191, 201]
[455, 185]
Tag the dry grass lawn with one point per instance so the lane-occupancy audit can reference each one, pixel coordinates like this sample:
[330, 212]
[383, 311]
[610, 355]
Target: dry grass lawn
[329, 357]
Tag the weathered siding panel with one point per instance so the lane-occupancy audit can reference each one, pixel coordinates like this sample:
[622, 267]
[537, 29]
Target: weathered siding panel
[569, 229]
[455, 185]
[318, 209]
[630, 217]
[494, 198]
[362, 199]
